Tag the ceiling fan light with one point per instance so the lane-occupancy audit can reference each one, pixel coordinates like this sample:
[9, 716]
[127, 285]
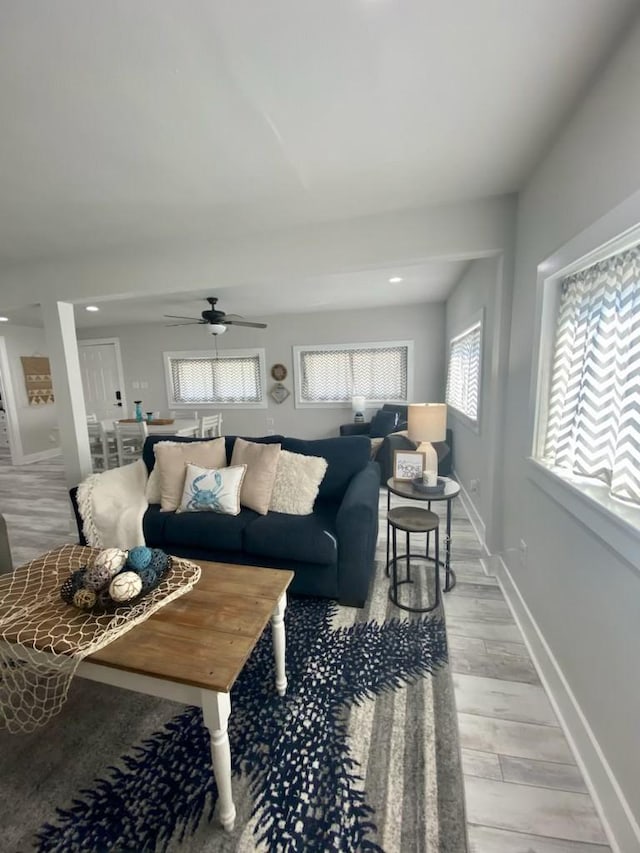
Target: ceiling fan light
[216, 328]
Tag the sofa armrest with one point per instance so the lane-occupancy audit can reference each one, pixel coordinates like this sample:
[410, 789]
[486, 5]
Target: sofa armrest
[355, 429]
[73, 494]
[357, 529]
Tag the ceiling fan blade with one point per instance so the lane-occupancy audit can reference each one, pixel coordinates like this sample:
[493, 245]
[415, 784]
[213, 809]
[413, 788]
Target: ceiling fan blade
[233, 317]
[181, 317]
[193, 323]
[228, 322]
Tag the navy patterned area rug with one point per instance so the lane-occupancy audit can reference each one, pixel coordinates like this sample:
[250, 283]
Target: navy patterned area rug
[360, 755]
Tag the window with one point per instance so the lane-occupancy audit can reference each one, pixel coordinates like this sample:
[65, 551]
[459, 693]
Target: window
[333, 373]
[463, 373]
[234, 378]
[593, 412]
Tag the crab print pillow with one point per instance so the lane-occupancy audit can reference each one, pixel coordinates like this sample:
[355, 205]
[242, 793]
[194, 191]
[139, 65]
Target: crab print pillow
[212, 489]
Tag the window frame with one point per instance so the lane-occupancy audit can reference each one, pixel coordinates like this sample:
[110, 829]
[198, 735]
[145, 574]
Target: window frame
[251, 352]
[476, 319]
[613, 521]
[298, 350]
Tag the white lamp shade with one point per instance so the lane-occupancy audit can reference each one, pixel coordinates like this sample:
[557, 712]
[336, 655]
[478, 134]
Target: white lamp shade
[427, 421]
[358, 404]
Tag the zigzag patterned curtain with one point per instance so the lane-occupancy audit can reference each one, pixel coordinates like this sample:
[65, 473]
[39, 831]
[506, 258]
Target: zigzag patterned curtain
[222, 379]
[463, 374]
[593, 426]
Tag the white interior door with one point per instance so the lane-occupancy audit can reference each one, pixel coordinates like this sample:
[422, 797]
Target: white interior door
[102, 382]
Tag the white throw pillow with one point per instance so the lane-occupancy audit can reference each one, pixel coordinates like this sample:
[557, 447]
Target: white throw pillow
[152, 492]
[298, 479]
[212, 489]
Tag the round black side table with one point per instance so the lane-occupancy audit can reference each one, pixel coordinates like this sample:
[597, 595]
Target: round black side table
[411, 519]
[406, 489]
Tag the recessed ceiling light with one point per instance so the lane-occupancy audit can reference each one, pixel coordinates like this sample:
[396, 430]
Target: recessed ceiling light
[92, 308]
[395, 280]
[4, 319]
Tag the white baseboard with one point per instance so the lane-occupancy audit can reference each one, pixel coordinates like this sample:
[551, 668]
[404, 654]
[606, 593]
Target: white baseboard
[29, 458]
[617, 818]
[474, 516]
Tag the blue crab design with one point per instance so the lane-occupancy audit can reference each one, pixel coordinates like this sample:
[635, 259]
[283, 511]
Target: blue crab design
[202, 499]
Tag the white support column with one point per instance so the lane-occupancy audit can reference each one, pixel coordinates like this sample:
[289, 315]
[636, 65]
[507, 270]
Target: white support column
[279, 643]
[60, 330]
[216, 709]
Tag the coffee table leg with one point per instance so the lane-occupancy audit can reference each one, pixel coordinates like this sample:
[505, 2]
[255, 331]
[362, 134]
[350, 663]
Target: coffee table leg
[216, 709]
[277, 628]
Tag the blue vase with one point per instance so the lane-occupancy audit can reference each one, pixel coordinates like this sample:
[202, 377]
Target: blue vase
[138, 409]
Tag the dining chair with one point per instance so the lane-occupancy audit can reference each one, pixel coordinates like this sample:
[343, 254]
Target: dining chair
[210, 426]
[187, 415]
[104, 449]
[129, 440]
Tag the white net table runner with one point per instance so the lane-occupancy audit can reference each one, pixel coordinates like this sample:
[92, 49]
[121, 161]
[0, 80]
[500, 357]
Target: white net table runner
[42, 639]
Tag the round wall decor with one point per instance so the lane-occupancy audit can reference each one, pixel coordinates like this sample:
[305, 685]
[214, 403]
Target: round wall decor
[279, 372]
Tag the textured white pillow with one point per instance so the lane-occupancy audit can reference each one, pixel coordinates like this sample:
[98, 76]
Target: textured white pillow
[212, 489]
[152, 492]
[297, 482]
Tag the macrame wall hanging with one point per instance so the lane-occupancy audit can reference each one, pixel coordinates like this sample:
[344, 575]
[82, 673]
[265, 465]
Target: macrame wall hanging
[37, 379]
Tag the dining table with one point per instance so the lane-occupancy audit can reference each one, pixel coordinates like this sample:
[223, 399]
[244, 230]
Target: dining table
[182, 426]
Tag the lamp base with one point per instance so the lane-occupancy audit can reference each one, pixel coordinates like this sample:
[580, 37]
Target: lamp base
[358, 418]
[430, 460]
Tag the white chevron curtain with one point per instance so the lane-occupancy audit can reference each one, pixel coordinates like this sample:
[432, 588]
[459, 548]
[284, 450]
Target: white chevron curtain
[463, 373]
[593, 426]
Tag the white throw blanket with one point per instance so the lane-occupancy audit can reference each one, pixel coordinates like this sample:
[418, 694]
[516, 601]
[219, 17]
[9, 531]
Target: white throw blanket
[112, 505]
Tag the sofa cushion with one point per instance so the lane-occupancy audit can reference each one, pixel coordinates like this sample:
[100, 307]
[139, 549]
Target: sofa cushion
[297, 482]
[212, 489]
[346, 456]
[382, 423]
[261, 460]
[207, 530]
[307, 538]
[172, 458]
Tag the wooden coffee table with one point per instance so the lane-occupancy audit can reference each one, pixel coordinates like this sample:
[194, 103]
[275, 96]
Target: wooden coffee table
[194, 648]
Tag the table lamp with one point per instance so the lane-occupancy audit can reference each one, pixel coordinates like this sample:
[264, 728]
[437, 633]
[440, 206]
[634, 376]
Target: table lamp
[358, 404]
[427, 422]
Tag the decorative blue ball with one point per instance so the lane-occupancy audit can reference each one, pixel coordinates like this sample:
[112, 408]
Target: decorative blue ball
[139, 558]
[149, 578]
[159, 562]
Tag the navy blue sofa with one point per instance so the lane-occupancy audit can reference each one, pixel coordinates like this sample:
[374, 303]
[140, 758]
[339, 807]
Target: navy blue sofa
[331, 551]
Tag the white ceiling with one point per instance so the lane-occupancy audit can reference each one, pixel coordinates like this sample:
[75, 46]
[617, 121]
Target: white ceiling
[129, 124]
[420, 283]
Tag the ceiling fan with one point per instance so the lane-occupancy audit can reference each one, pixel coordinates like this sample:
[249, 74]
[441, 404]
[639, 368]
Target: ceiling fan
[215, 321]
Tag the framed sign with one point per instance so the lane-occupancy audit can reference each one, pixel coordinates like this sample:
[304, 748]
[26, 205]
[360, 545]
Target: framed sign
[279, 393]
[408, 464]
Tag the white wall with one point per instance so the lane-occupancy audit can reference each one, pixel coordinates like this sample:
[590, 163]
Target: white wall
[475, 293]
[585, 599]
[37, 425]
[142, 347]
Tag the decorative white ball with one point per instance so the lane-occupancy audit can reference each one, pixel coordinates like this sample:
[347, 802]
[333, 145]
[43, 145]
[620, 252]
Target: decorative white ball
[111, 560]
[125, 586]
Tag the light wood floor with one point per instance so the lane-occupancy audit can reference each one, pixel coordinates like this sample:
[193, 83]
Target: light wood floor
[524, 792]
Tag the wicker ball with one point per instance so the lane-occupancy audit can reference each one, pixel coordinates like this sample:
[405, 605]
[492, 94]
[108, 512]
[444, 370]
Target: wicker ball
[98, 577]
[73, 583]
[125, 586]
[84, 599]
[112, 559]
[148, 577]
[139, 558]
[160, 562]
